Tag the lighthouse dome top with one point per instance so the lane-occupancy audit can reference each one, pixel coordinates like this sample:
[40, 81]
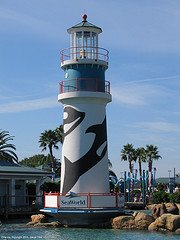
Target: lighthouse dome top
[85, 25]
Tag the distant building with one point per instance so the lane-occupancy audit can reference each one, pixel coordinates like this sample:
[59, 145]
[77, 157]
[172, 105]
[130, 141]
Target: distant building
[13, 179]
[165, 180]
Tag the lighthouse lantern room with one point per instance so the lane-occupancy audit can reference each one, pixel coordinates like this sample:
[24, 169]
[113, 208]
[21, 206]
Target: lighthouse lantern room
[83, 41]
[84, 93]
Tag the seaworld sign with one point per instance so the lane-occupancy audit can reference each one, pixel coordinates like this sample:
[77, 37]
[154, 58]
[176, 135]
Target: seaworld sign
[68, 202]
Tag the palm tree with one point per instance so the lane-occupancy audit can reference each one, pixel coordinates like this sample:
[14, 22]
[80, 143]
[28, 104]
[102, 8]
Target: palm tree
[48, 139]
[60, 133]
[128, 154]
[152, 154]
[7, 149]
[141, 157]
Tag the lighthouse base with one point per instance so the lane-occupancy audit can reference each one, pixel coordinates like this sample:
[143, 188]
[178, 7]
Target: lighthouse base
[86, 209]
[83, 218]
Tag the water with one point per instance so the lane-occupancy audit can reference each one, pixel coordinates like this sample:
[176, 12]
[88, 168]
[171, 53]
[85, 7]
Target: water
[12, 230]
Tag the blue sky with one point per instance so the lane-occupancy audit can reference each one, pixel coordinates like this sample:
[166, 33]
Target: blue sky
[143, 38]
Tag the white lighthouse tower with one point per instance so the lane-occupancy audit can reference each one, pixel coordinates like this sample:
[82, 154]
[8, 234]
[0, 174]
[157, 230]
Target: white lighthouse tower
[84, 93]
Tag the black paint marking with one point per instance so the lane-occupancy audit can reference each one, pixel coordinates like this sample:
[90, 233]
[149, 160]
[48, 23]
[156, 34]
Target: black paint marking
[73, 115]
[74, 170]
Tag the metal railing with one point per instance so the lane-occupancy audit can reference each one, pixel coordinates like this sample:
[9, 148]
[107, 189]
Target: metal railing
[83, 200]
[84, 84]
[20, 204]
[75, 53]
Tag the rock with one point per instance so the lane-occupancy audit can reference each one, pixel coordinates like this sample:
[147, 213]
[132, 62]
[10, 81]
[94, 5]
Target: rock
[150, 206]
[153, 227]
[135, 214]
[173, 209]
[38, 218]
[158, 210]
[172, 221]
[168, 205]
[142, 225]
[163, 209]
[177, 231]
[142, 220]
[143, 216]
[139, 220]
[167, 221]
[123, 222]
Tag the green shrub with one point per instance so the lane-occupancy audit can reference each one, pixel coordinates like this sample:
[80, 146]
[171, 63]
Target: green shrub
[175, 197]
[161, 186]
[50, 187]
[160, 196]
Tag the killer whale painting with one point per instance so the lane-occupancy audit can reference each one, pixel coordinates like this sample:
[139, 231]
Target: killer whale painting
[73, 170]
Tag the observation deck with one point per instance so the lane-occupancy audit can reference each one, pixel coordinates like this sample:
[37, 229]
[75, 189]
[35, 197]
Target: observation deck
[85, 55]
[84, 84]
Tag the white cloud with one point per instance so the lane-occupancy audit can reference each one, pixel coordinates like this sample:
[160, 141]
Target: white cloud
[29, 105]
[137, 94]
[163, 79]
[125, 95]
[158, 126]
[147, 91]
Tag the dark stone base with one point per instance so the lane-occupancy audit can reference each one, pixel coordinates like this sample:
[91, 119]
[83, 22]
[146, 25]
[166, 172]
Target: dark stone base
[84, 218]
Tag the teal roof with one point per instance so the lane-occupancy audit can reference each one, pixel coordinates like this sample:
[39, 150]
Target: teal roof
[14, 168]
[85, 24]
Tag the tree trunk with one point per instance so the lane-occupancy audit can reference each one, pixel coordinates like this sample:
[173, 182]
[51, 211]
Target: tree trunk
[130, 167]
[52, 159]
[140, 173]
[150, 174]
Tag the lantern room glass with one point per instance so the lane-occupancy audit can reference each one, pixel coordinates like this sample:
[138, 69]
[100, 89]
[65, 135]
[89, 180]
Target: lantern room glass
[83, 44]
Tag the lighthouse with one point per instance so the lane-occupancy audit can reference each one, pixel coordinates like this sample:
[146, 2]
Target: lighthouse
[84, 93]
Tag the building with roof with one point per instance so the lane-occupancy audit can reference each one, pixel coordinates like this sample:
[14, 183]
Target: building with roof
[13, 179]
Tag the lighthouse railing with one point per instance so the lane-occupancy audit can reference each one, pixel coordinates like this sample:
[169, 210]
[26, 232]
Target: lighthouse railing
[75, 53]
[84, 200]
[84, 84]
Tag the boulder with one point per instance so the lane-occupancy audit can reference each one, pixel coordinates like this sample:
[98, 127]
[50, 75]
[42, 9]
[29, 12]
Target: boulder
[172, 221]
[163, 209]
[139, 220]
[123, 222]
[158, 210]
[143, 216]
[173, 209]
[150, 206]
[167, 221]
[38, 218]
[142, 220]
[153, 227]
[177, 231]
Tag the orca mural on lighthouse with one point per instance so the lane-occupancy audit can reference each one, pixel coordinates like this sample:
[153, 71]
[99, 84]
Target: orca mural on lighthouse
[84, 94]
